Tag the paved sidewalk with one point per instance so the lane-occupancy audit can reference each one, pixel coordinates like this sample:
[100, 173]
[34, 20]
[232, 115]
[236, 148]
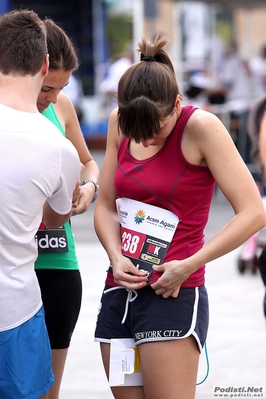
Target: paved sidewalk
[236, 340]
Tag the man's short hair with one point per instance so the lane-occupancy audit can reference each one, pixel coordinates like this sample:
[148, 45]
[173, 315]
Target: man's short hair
[23, 43]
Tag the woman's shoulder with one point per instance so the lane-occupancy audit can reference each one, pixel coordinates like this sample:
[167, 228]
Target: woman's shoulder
[203, 119]
[203, 126]
[64, 109]
[63, 100]
[113, 123]
[114, 135]
[114, 116]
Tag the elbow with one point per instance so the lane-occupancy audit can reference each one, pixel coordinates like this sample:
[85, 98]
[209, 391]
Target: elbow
[264, 220]
[56, 221]
[260, 220]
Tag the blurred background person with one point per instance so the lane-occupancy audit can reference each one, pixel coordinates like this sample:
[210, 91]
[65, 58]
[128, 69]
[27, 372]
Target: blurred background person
[74, 91]
[257, 67]
[109, 85]
[235, 88]
[236, 80]
[257, 133]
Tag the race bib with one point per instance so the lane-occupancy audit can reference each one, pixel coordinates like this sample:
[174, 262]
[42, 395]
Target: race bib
[146, 232]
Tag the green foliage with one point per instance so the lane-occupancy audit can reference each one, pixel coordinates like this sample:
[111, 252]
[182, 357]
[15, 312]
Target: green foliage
[224, 26]
[119, 30]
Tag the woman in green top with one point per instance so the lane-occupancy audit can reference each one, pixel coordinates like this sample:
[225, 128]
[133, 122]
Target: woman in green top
[57, 266]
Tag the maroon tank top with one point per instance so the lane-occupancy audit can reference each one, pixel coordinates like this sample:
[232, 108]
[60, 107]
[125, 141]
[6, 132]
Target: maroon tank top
[169, 181]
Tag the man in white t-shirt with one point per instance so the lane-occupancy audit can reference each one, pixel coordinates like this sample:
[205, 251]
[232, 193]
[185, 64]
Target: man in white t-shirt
[238, 91]
[236, 80]
[109, 85]
[258, 73]
[39, 174]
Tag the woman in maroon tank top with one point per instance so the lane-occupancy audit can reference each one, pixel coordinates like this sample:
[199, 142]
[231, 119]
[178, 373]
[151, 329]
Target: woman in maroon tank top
[169, 156]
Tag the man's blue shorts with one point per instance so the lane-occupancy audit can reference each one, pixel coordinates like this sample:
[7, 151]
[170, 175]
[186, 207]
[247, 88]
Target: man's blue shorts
[25, 360]
[148, 317]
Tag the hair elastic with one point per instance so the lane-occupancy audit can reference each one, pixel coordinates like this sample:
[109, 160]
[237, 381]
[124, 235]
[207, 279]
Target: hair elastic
[148, 58]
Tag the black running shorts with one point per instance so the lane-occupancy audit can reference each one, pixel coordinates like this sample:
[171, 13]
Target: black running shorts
[61, 295]
[148, 317]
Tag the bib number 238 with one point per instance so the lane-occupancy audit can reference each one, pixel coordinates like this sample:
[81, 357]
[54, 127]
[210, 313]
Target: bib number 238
[132, 242]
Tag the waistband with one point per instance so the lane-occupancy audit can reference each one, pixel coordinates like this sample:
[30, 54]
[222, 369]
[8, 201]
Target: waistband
[186, 284]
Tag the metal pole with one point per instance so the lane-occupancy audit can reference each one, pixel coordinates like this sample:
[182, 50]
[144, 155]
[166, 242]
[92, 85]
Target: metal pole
[138, 25]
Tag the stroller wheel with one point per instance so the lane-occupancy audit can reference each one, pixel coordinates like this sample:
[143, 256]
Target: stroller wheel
[241, 264]
[254, 265]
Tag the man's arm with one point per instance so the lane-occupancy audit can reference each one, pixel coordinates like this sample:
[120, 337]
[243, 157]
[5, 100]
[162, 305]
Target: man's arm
[51, 219]
[57, 208]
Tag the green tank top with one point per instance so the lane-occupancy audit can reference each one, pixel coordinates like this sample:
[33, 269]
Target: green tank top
[56, 247]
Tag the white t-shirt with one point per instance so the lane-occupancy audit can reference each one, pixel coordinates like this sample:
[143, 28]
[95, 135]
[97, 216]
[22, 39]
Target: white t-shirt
[36, 164]
[115, 71]
[235, 76]
[258, 69]
[74, 91]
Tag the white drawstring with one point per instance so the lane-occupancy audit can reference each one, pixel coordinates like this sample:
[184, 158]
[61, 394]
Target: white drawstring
[130, 298]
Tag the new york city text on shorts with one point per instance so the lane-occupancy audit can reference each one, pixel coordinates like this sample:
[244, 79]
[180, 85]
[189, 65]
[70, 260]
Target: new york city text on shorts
[158, 334]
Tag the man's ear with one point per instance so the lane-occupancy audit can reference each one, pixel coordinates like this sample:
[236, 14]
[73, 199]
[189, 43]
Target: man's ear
[45, 68]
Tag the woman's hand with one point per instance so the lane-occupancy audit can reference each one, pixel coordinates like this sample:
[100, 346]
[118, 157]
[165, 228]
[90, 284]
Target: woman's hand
[174, 273]
[128, 275]
[76, 194]
[83, 200]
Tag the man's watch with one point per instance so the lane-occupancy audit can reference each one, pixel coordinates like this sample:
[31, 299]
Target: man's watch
[95, 185]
